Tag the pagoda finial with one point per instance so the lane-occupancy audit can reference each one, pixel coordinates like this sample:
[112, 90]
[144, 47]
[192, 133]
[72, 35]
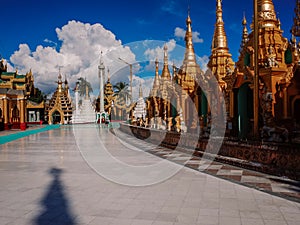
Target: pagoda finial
[59, 74]
[219, 11]
[220, 64]
[219, 38]
[296, 25]
[245, 31]
[165, 72]
[266, 14]
[189, 57]
[140, 91]
[156, 78]
[108, 75]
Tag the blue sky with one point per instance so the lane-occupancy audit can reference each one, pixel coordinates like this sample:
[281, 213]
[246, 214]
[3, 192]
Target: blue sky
[35, 23]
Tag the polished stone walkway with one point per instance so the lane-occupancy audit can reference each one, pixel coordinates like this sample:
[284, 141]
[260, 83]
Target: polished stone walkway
[280, 186]
[57, 177]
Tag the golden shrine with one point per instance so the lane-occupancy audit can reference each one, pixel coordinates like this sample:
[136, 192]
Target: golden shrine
[59, 109]
[14, 91]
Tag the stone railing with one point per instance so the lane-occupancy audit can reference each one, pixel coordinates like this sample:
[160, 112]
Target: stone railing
[281, 159]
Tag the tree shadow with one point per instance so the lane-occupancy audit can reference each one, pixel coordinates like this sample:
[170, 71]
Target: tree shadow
[56, 207]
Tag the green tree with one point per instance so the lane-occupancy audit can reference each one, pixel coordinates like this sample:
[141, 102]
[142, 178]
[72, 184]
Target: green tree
[82, 86]
[37, 96]
[121, 90]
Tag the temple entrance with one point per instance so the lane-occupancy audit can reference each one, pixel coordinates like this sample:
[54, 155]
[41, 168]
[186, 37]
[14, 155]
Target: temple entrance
[56, 117]
[245, 110]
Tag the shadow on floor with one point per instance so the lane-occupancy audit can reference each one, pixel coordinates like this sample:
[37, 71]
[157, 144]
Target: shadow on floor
[56, 207]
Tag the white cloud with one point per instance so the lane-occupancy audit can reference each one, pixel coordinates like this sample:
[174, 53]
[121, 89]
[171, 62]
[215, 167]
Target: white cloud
[78, 55]
[146, 83]
[158, 52]
[180, 33]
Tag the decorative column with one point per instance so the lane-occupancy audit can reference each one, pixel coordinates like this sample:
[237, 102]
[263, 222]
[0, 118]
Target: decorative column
[256, 73]
[5, 113]
[285, 103]
[22, 114]
[76, 100]
[101, 68]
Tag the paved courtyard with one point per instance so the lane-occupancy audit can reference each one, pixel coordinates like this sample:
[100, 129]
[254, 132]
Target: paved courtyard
[80, 175]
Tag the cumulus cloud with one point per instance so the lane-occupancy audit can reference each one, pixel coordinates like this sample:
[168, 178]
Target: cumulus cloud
[180, 33]
[158, 53]
[78, 55]
[146, 83]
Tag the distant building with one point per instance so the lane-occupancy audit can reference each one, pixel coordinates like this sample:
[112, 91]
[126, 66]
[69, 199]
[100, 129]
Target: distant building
[59, 108]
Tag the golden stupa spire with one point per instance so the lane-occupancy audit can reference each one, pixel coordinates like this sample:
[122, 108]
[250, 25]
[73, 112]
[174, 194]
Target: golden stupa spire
[140, 91]
[108, 76]
[166, 72]
[245, 32]
[296, 25]
[220, 38]
[220, 64]
[189, 57]
[59, 81]
[156, 78]
[266, 14]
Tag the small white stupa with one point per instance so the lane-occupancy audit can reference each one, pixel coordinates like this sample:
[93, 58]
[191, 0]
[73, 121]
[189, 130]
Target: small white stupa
[86, 113]
[140, 108]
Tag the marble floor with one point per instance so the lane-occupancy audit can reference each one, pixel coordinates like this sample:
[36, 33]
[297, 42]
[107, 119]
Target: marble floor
[86, 175]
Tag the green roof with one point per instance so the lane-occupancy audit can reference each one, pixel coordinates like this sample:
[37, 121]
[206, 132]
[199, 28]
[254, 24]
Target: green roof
[8, 73]
[20, 76]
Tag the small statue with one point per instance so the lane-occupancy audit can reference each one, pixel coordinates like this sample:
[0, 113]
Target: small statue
[271, 57]
[177, 124]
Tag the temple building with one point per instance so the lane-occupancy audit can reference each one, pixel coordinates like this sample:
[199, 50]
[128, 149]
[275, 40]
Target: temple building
[14, 91]
[59, 109]
[278, 84]
[175, 102]
[115, 104]
[277, 89]
[163, 101]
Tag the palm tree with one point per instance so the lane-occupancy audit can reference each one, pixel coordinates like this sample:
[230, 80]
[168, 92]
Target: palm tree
[82, 86]
[121, 90]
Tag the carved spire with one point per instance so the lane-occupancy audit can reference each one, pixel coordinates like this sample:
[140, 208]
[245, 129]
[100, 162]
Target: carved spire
[189, 57]
[245, 32]
[140, 91]
[220, 38]
[59, 81]
[220, 60]
[296, 25]
[266, 14]
[156, 78]
[166, 72]
[108, 76]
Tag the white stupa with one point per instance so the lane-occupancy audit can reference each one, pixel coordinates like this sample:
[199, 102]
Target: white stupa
[86, 113]
[140, 108]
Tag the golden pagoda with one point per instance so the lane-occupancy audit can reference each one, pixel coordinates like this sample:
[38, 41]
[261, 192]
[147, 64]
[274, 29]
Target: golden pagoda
[14, 91]
[220, 61]
[115, 104]
[59, 109]
[189, 77]
[163, 102]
